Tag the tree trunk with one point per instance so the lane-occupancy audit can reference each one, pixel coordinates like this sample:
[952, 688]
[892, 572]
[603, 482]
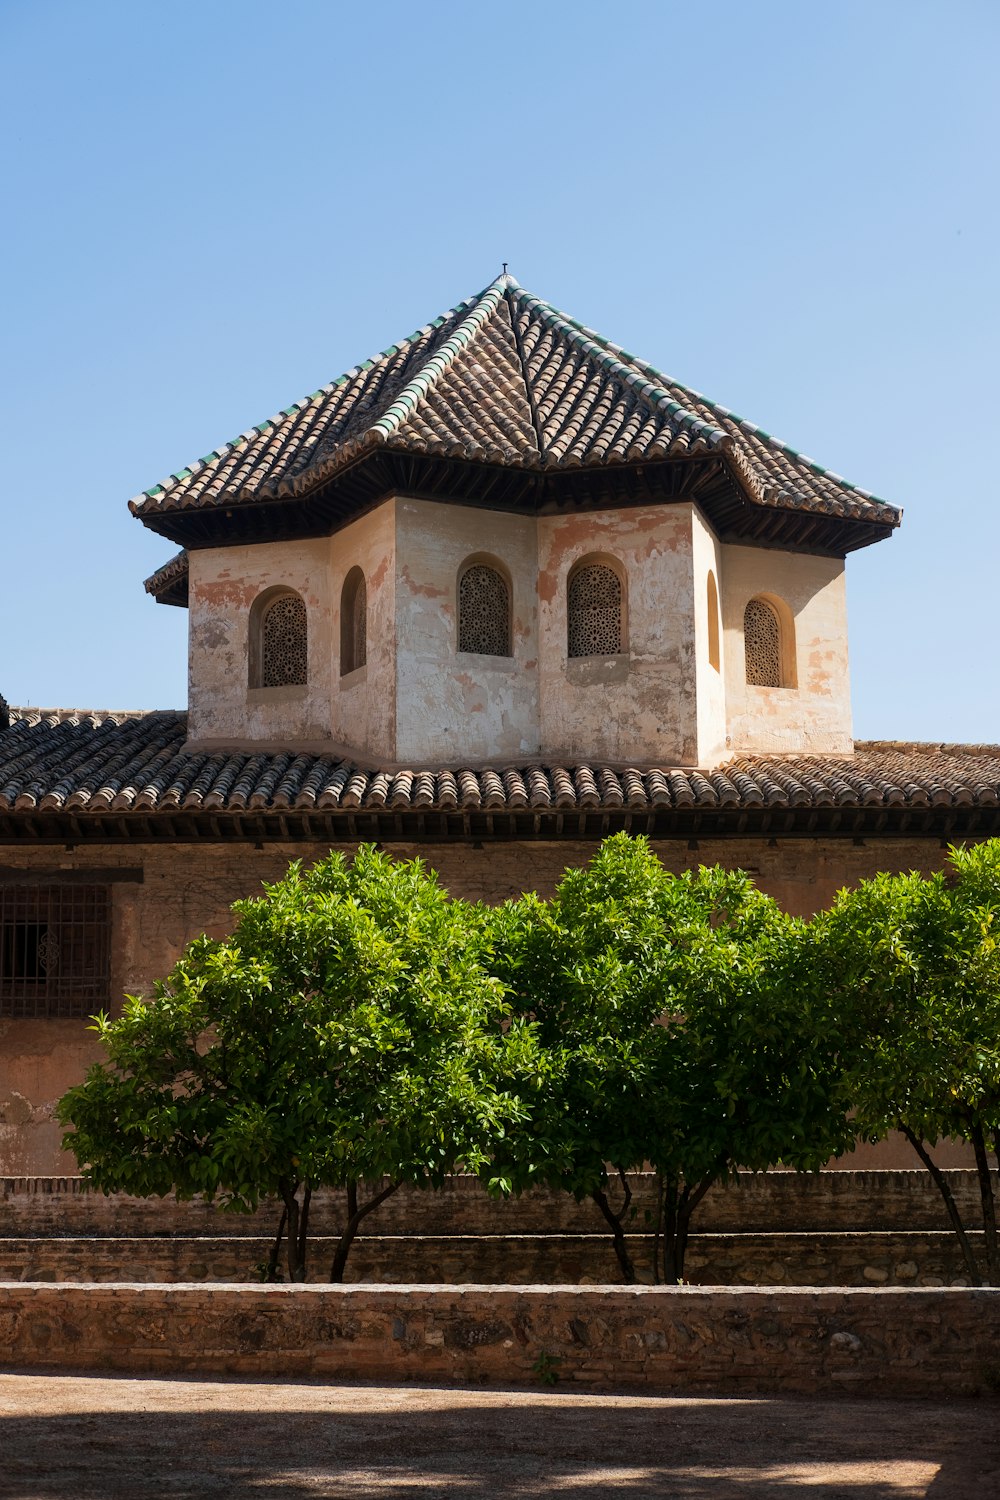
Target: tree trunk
[659, 1229]
[616, 1226]
[941, 1184]
[303, 1231]
[288, 1191]
[355, 1216]
[681, 1204]
[987, 1201]
[272, 1262]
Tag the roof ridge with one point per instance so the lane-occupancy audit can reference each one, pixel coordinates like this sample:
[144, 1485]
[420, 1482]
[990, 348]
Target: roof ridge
[416, 390]
[258, 429]
[595, 345]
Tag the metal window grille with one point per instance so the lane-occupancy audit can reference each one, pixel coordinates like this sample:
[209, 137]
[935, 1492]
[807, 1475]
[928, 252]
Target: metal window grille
[55, 950]
[594, 612]
[483, 612]
[762, 644]
[284, 648]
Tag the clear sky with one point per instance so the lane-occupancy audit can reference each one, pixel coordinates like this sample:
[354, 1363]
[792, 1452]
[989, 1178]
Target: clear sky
[214, 207]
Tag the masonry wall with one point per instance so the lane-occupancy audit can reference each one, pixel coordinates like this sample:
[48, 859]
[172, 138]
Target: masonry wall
[729, 1342]
[813, 715]
[481, 707]
[639, 706]
[188, 889]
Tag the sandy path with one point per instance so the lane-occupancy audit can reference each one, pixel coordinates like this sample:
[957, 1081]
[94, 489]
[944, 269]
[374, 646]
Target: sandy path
[74, 1437]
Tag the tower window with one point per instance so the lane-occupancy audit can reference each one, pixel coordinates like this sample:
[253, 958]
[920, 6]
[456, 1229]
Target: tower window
[714, 657]
[283, 650]
[762, 644]
[483, 611]
[353, 622]
[594, 611]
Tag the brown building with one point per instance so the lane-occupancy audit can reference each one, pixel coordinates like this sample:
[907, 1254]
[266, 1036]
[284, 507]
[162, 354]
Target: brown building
[500, 591]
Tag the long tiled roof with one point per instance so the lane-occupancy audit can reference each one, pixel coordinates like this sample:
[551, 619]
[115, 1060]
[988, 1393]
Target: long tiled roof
[129, 775]
[506, 379]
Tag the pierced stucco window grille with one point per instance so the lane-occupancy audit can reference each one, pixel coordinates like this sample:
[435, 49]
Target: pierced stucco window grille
[762, 644]
[55, 950]
[284, 643]
[484, 611]
[353, 622]
[594, 612]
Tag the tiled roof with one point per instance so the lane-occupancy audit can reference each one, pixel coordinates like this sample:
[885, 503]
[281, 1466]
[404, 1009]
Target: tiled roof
[128, 772]
[506, 379]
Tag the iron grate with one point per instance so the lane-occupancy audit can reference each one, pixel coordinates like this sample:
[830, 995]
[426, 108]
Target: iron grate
[55, 950]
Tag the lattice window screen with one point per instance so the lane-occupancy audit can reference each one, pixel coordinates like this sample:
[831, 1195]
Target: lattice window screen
[284, 654]
[55, 950]
[484, 612]
[594, 610]
[762, 644]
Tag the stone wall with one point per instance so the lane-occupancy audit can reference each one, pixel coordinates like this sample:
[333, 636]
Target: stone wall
[735, 1343]
[918, 1258]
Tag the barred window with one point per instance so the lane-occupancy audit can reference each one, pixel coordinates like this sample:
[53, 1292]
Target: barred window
[55, 950]
[353, 622]
[283, 648]
[762, 644]
[594, 611]
[484, 611]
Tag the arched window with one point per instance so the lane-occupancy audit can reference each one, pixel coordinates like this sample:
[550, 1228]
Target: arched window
[279, 640]
[762, 644]
[594, 611]
[353, 622]
[483, 611]
[714, 659]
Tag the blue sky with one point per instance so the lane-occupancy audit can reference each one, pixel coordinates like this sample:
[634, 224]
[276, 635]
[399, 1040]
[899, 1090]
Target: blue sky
[213, 208]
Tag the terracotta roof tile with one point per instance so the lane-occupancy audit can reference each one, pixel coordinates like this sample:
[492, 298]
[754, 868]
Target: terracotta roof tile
[503, 378]
[63, 763]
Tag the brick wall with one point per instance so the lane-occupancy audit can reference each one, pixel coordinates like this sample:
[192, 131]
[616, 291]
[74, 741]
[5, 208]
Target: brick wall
[879, 1343]
[898, 1259]
[757, 1202]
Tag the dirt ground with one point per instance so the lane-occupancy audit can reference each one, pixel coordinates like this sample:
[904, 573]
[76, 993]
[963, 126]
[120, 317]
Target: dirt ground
[70, 1437]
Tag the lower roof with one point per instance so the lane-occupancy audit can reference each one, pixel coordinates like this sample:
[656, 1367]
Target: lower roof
[93, 776]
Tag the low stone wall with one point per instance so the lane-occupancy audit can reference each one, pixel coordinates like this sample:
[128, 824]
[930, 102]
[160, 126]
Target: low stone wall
[917, 1258]
[762, 1203]
[764, 1341]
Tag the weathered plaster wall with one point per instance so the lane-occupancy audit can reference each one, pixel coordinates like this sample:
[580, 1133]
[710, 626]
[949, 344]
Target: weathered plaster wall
[706, 557]
[224, 582]
[814, 716]
[638, 707]
[188, 890]
[460, 705]
[363, 704]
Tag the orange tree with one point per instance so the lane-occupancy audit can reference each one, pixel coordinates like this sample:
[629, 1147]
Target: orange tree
[347, 1033]
[680, 1023]
[913, 965]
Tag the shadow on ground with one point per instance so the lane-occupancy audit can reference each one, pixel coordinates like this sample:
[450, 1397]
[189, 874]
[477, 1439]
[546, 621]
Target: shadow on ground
[72, 1438]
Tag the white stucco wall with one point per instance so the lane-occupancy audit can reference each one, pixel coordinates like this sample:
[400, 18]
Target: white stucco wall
[453, 705]
[224, 582]
[706, 557]
[814, 716]
[638, 707]
[363, 707]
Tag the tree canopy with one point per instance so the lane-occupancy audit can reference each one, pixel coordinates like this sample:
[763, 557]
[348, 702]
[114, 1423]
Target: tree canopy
[680, 1026]
[914, 963]
[348, 1032]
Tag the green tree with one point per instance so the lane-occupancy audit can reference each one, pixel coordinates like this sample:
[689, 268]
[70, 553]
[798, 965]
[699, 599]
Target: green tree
[347, 1033]
[680, 1026]
[915, 965]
